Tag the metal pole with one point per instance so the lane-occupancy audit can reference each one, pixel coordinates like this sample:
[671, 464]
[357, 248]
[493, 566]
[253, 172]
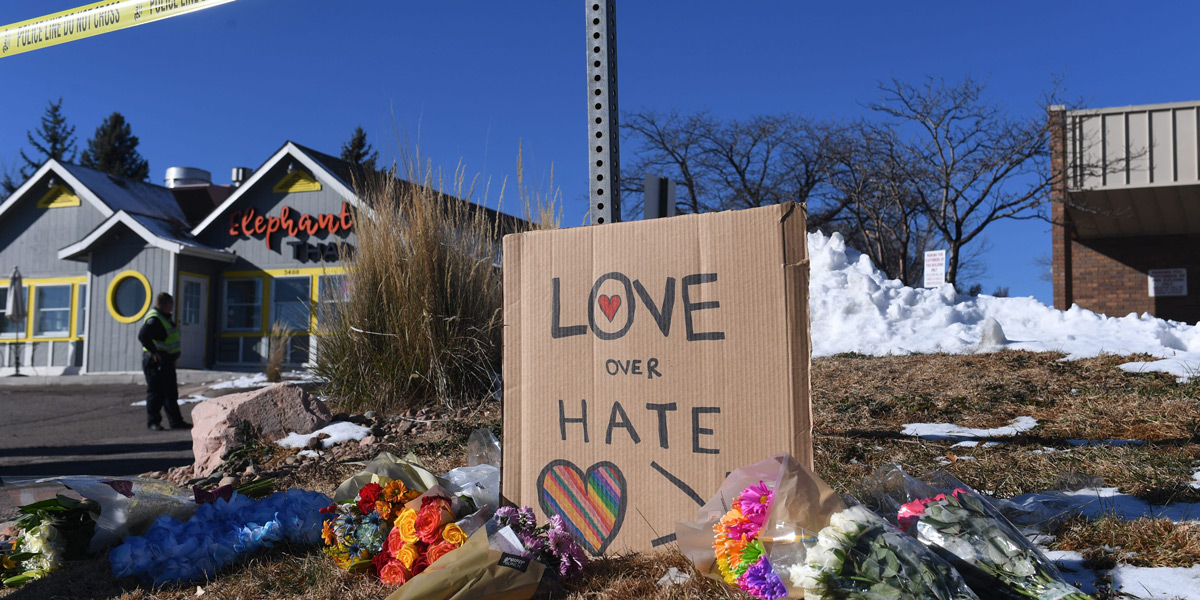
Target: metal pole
[604, 171]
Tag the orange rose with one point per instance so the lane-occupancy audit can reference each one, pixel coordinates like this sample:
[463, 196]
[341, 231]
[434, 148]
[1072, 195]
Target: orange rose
[394, 543]
[407, 524]
[454, 534]
[394, 573]
[408, 555]
[438, 550]
[435, 514]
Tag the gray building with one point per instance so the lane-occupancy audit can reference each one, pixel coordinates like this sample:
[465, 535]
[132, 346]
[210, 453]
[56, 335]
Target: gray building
[94, 250]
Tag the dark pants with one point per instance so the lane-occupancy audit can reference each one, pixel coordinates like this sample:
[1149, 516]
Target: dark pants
[162, 391]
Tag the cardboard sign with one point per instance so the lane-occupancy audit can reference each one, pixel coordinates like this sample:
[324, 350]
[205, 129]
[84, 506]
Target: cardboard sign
[1167, 282]
[644, 361]
[935, 268]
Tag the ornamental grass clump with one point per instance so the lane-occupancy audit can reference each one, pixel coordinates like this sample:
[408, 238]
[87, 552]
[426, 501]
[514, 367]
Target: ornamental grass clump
[419, 321]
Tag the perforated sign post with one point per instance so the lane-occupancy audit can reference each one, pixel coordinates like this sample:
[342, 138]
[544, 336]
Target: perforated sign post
[604, 170]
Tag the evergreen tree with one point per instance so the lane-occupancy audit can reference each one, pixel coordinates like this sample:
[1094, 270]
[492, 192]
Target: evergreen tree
[57, 141]
[358, 152]
[113, 149]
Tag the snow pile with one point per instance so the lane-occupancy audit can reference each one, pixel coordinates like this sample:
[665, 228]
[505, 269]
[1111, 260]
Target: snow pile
[855, 308]
[185, 400]
[259, 380]
[958, 433]
[341, 431]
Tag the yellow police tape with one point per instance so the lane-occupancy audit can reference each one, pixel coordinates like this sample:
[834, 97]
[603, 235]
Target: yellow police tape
[92, 19]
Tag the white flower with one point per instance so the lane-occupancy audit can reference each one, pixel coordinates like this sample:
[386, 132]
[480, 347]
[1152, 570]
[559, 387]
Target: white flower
[809, 578]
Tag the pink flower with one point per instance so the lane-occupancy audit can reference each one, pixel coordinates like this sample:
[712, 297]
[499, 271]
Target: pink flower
[910, 513]
[754, 502]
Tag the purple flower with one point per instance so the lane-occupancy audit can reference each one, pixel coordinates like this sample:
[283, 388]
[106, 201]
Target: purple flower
[754, 502]
[761, 581]
[565, 550]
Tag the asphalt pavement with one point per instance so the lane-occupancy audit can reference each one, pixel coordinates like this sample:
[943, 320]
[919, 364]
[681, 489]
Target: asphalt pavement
[90, 429]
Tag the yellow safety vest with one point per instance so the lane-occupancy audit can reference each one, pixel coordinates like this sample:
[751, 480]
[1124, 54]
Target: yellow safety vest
[171, 344]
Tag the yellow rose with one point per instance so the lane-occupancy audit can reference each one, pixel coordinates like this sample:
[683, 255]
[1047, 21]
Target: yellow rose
[454, 534]
[407, 555]
[407, 523]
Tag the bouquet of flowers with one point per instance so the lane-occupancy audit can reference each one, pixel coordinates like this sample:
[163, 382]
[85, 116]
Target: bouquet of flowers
[859, 555]
[741, 557]
[550, 544]
[221, 531]
[394, 532]
[52, 531]
[965, 529]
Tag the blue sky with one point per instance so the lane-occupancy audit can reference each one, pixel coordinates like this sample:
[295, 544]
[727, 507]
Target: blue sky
[470, 81]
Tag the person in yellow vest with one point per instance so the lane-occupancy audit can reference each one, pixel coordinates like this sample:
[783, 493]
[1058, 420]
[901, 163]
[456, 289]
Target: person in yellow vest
[160, 349]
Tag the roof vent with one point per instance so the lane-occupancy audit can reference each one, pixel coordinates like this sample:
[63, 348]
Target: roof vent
[240, 175]
[181, 176]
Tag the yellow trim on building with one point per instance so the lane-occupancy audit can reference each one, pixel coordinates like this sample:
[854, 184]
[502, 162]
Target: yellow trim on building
[295, 182]
[59, 196]
[30, 310]
[265, 276]
[112, 291]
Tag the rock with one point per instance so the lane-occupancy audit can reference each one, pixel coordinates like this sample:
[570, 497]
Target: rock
[359, 419]
[370, 414]
[404, 427]
[273, 412]
[291, 460]
[367, 441]
[315, 443]
[340, 417]
[228, 481]
[323, 436]
[250, 471]
[378, 431]
[179, 475]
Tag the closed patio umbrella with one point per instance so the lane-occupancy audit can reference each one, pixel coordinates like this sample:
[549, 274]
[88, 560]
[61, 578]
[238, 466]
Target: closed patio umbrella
[14, 308]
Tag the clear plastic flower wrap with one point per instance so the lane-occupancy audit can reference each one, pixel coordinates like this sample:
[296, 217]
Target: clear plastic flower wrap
[775, 529]
[859, 555]
[966, 529]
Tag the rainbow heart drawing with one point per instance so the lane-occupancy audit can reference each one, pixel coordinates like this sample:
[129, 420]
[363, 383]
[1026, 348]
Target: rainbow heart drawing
[592, 504]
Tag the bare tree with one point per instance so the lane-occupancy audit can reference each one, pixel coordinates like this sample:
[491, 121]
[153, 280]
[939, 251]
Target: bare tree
[872, 178]
[722, 165]
[972, 164]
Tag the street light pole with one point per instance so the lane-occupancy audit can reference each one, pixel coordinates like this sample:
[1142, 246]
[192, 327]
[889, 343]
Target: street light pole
[603, 137]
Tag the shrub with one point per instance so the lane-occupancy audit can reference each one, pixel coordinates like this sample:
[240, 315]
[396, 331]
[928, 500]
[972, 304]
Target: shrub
[421, 321]
[277, 351]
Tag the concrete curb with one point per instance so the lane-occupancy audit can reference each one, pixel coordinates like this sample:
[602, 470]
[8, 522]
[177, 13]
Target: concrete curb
[185, 376]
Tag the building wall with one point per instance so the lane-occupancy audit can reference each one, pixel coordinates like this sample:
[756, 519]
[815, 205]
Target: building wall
[1110, 276]
[31, 236]
[256, 260]
[113, 345]
[253, 251]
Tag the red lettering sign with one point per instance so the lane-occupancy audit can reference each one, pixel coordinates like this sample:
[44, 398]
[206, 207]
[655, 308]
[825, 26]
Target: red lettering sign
[250, 223]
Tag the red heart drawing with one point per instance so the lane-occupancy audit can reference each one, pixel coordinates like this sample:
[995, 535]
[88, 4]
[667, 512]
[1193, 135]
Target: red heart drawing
[609, 306]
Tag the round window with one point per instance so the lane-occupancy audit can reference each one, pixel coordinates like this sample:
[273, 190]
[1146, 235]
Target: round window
[128, 296]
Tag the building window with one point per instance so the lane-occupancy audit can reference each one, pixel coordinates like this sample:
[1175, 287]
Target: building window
[81, 311]
[9, 328]
[128, 296]
[243, 305]
[333, 292]
[52, 310]
[291, 302]
[189, 303]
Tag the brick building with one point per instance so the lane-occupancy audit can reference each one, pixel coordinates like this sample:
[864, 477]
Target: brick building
[1126, 210]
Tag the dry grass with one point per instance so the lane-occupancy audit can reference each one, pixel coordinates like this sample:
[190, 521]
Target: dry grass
[1106, 541]
[422, 322]
[277, 351]
[859, 404]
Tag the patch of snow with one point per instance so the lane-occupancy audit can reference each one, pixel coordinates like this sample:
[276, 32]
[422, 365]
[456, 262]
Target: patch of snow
[1071, 565]
[258, 380]
[949, 431]
[1095, 502]
[308, 453]
[1195, 479]
[977, 444]
[188, 400]
[1158, 582]
[341, 431]
[856, 308]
